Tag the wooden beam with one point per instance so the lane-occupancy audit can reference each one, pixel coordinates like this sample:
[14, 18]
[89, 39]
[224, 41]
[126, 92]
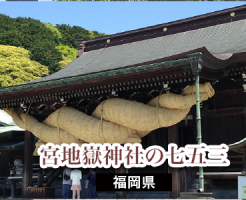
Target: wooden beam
[225, 112]
[120, 194]
[172, 132]
[28, 162]
[221, 176]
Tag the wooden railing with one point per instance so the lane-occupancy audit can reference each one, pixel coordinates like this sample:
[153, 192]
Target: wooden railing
[17, 169]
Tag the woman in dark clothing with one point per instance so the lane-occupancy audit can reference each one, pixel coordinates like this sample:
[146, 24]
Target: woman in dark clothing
[91, 185]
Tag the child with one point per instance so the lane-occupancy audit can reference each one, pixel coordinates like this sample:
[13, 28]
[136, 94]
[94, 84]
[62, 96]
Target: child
[75, 176]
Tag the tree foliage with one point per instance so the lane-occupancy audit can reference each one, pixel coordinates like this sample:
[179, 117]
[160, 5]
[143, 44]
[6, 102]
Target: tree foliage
[45, 53]
[54, 30]
[17, 68]
[34, 36]
[68, 55]
[63, 63]
[67, 51]
[71, 34]
[48, 45]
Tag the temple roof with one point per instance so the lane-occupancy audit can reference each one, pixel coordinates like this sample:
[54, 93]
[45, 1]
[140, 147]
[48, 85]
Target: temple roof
[220, 40]
[217, 36]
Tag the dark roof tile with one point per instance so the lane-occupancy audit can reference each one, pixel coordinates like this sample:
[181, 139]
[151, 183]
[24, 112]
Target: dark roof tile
[221, 40]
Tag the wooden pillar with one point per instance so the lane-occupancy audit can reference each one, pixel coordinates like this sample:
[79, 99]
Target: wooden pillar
[183, 180]
[28, 162]
[120, 194]
[40, 177]
[172, 132]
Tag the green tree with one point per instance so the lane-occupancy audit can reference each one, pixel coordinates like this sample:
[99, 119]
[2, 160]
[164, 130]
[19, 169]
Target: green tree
[45, 53]
[63, 63]
[71, 35]
[12, 38]
[68, 55]
[17, 68]
[54, 30]
[34, 36]
[97, 34]
[67, 51]
[45, 42]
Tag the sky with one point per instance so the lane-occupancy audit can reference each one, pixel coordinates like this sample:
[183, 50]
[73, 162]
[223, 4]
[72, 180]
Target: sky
[112, 17]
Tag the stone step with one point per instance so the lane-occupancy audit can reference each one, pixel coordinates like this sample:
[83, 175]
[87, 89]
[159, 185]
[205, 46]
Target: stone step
[135, 195]
[192, 190]
[195, 195]
[195, 187]
[142, 195]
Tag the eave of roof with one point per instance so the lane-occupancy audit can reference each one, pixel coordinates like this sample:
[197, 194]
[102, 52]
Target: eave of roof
[238, 146]
[88, 85]
[91, 77]
[207, 60]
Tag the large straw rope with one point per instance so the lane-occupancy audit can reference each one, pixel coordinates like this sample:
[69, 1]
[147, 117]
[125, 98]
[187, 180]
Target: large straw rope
[40, 130]
[114, 120]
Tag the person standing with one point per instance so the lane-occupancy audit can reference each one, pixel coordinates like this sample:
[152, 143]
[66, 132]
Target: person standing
[67, 183]
[76, 175]
[91, 185]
